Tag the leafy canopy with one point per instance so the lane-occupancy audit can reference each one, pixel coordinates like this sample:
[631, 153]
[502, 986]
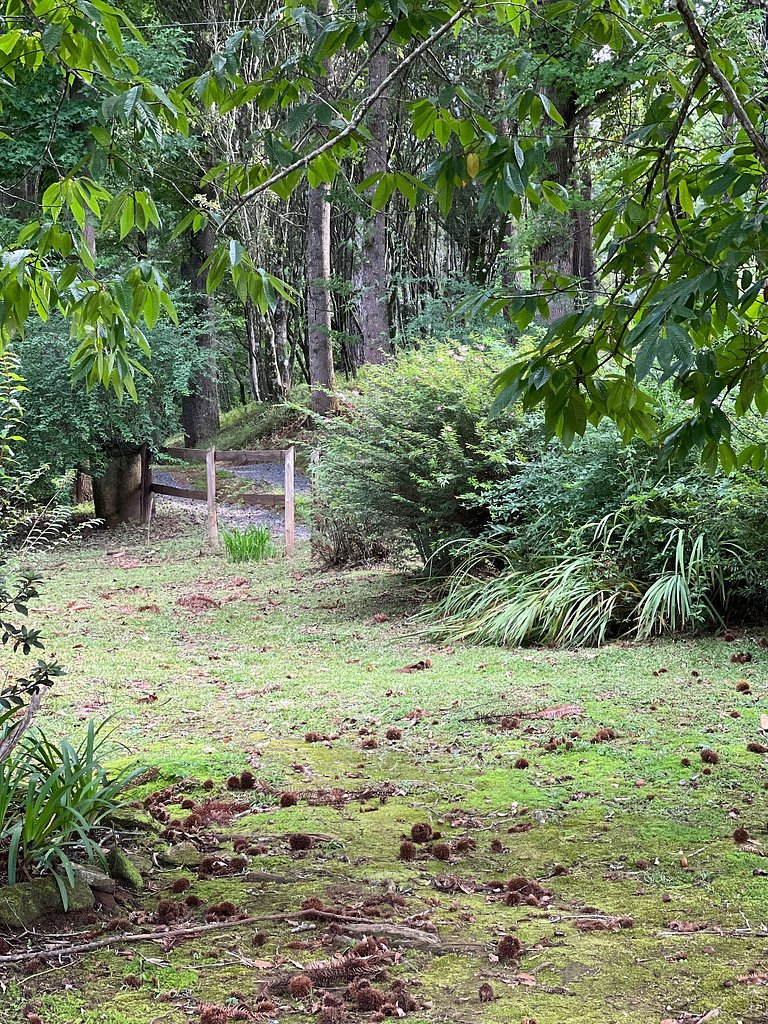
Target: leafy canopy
[680, 237]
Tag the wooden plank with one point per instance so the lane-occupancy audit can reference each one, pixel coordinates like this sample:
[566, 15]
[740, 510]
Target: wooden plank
[262, 500]
[210, 477]
[251, 458]
[179, 492]
[186, 454]
[290, 502]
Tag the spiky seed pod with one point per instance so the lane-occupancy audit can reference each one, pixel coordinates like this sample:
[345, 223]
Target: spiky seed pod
[509, 948]
[421, 832]
[300, 986]
[300, 841]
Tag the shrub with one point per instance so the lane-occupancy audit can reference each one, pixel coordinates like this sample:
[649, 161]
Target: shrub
[598, 541]
[52, 798]
[339, 541]
[253, 544]
[418, 444]
[65, 428]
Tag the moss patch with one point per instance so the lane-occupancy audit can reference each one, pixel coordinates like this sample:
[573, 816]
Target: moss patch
[619, 828]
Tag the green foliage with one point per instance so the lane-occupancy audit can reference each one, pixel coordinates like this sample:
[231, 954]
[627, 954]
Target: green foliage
[253, 544]
[52, 798]
[19, 695]
[680, 242]
[416, 444]
[598, 541]
[66, 427]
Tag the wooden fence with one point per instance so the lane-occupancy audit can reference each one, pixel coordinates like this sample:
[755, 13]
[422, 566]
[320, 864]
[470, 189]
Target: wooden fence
[211, 458]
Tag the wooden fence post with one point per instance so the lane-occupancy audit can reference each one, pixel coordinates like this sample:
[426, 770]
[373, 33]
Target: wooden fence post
[146, 484]
[290, 501]
[210, 478]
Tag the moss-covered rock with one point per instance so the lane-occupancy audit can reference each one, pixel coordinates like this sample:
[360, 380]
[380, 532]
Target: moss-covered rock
[131, 819]
[181, 855]
[23, 904]
[124, 870]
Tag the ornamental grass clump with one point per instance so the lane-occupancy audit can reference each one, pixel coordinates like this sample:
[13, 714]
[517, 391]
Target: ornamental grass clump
[253, 544]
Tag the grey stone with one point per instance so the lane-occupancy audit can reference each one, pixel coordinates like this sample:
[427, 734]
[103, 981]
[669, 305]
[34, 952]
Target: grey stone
[131, 819]
[95, 877]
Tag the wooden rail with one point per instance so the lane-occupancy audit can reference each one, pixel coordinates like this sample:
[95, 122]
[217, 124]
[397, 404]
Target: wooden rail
[286, 499]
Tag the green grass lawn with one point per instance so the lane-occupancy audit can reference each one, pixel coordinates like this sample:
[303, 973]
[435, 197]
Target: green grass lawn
[209, 669]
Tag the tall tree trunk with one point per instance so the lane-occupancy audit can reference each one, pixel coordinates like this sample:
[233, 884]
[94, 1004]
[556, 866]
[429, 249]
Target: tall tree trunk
[280, 321]
[200, 409]
[318, 268]
[318, 261]
[370, 279]
[253, 341]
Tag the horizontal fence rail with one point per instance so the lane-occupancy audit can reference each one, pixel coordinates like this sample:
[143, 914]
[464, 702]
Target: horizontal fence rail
[258, 499]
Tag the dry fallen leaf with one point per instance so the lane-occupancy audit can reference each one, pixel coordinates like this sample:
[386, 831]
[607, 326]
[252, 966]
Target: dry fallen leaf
[418, 666]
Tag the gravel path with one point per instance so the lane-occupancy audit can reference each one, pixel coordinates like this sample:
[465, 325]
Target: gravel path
[239, 515]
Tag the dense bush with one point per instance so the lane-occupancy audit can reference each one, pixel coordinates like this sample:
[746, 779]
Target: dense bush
[416, 447]
[601, 540]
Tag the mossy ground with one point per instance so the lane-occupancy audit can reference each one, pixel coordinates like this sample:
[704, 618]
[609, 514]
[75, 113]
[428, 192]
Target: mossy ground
[205, 691]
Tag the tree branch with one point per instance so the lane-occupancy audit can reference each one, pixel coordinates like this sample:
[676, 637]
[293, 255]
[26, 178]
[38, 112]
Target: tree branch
[704, 53]
[357, 117]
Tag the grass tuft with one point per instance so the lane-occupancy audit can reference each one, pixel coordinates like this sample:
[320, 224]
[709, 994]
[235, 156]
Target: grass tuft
[252, 544]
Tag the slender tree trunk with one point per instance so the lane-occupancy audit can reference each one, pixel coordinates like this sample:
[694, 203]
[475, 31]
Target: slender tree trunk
[370, 278]
[200, 409]
[280, 321]
[253, 342]
[318, 260]
[318, 269]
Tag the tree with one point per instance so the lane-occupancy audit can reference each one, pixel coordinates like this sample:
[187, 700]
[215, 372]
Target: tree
[678, 240]
[371, 273]
[681, 237]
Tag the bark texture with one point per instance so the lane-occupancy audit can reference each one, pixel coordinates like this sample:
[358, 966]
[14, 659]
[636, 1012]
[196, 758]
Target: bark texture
[566, 246]
[200, 409]
[117, 492]
[318, 270]
[370, 280]
[318, 265]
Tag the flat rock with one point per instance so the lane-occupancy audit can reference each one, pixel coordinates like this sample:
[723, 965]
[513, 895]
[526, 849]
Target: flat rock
[181, 855]
[23, 904]
[94, 877]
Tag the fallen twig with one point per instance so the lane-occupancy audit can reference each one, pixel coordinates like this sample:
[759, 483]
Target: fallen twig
[356, 925]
